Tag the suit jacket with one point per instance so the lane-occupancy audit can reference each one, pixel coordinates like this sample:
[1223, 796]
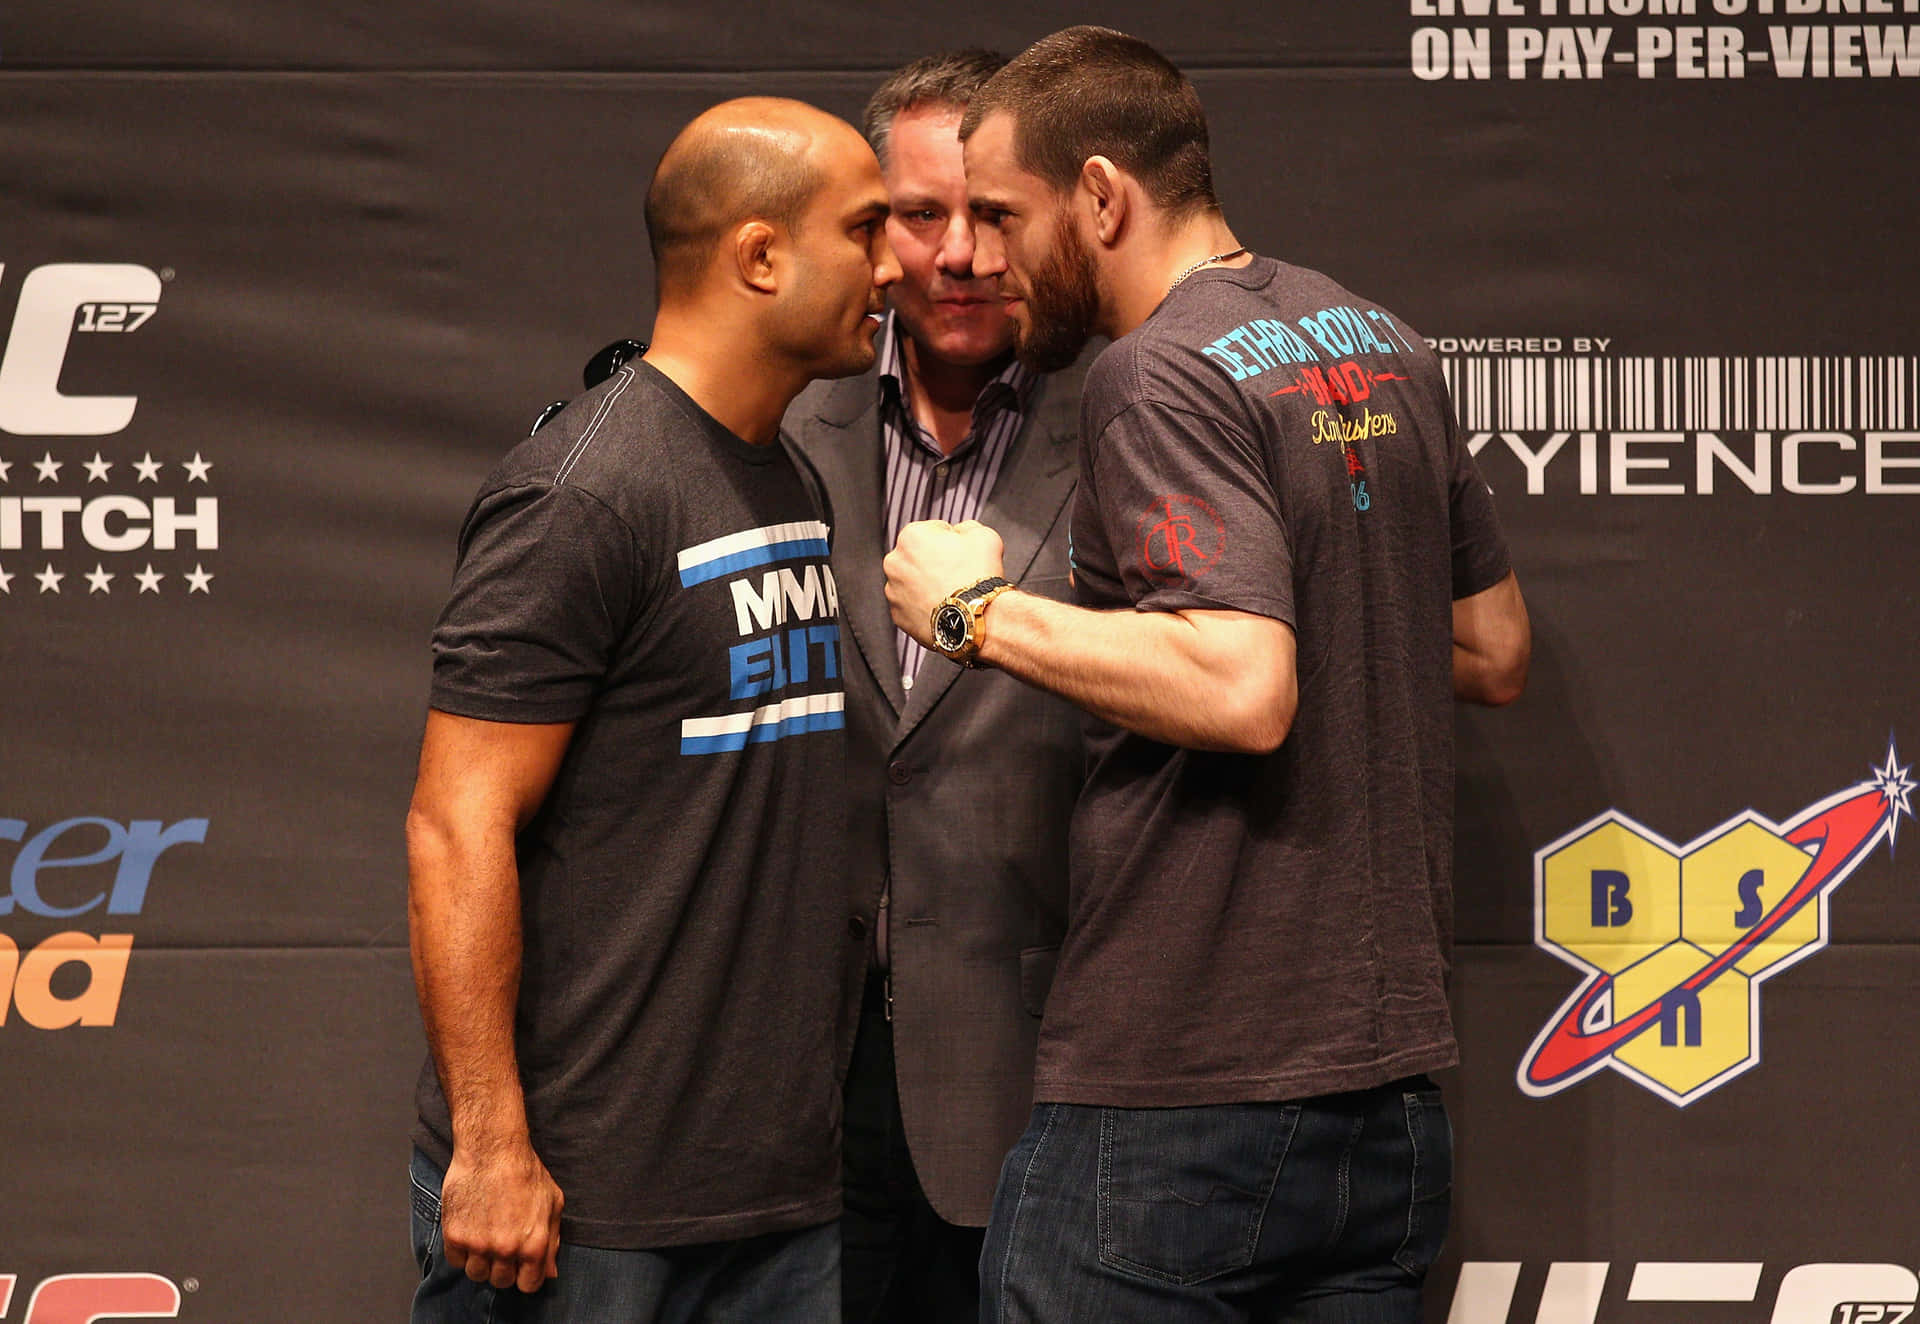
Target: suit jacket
[961, 790]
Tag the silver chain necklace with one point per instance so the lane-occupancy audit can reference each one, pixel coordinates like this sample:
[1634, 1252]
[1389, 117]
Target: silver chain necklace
[1217, 257]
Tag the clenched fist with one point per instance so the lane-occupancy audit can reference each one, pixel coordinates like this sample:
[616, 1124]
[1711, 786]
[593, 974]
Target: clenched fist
[931, 560]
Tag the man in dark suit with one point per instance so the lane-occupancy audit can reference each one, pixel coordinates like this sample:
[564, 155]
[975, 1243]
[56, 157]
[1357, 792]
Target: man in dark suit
[961, 782]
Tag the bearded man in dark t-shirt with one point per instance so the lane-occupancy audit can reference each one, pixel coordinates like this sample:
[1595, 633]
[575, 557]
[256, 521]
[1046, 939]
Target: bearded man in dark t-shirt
[629, 925]
[1285, 568]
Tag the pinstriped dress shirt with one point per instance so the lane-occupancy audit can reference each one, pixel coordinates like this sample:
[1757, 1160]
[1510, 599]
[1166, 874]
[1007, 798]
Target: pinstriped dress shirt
[921, 483]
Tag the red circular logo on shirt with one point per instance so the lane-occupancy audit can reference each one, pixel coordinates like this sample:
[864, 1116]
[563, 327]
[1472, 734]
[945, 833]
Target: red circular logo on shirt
[1180, 539]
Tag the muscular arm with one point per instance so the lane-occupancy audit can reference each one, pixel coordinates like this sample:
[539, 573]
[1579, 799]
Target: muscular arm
[1215, 680]
[1492, 644]
[1218, 680]
[479, 784]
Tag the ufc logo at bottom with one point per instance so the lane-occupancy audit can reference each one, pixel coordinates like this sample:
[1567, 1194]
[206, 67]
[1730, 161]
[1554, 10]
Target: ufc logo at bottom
[82, 1298]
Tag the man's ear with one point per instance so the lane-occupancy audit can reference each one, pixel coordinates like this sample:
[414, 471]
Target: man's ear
[1103, 191]
[753, 256]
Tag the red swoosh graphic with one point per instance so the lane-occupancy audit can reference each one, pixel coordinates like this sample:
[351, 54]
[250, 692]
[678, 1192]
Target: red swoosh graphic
[1840, 831]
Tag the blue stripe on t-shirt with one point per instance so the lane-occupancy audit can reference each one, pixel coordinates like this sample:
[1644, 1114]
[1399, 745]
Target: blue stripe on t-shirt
[732, 741]
[753, 556]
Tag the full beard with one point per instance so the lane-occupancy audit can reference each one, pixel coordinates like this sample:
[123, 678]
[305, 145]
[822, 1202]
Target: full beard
[1063, 302]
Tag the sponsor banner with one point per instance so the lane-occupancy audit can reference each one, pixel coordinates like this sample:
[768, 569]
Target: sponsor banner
[1573, 1291]
[78, 870]
[1587, 40]
[274, 298]
[1676, 941]
[81, 1298]
[95, 513]
[1578, 418]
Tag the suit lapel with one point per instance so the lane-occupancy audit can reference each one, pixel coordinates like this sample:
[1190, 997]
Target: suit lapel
[842, 440]
[1033, 485]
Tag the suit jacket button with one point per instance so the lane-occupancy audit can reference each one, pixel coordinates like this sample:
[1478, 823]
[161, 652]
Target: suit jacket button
[899, 773]
[857, 927]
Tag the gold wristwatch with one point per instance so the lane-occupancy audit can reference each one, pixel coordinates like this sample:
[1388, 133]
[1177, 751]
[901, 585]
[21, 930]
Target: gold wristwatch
[956, 621]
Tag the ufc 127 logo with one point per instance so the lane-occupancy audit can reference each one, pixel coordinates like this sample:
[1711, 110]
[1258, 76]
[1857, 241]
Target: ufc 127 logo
[57, 302]
[1575, 1292]
[82, 1298]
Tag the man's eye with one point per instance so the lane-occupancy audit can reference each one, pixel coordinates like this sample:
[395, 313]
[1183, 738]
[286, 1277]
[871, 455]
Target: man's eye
[924, 216]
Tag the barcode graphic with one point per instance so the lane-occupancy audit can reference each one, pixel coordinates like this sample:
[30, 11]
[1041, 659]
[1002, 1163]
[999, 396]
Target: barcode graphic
[1594, 393]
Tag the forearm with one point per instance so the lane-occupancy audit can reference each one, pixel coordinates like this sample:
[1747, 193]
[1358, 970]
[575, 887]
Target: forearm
[1492, 645]
[464, 915]
[1173, 677]
[1478, 679]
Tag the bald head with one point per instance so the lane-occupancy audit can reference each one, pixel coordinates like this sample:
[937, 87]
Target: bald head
[754, 158]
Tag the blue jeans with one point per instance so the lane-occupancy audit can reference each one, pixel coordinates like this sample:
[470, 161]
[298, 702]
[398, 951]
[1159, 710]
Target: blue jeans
[785, 1276]
[1322, 1211]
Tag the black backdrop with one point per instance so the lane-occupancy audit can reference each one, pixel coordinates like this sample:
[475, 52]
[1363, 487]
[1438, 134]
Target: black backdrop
[337, 255]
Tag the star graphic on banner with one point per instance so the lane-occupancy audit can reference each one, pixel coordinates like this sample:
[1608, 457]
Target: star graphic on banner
[198, 580]
[6, 582]
[149, 579]
[196, 469]
[148, 468]
[49, 579]
[49, 467]
[5, 469]
[1893, 783]
[99, 577]
[97, 468]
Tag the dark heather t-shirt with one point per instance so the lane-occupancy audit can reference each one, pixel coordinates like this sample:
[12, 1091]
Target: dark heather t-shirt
[1258, 928]
[639, 570]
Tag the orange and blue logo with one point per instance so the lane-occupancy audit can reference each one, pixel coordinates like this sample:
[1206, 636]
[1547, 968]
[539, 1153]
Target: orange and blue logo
[1675, 941]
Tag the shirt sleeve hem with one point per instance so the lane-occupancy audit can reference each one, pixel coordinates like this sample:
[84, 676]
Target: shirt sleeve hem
[1483, 580]
[496, 708]
[1178, 600]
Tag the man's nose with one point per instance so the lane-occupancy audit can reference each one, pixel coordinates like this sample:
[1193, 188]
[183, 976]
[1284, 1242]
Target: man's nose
[989, 253]
[886, 268]
[956, 255]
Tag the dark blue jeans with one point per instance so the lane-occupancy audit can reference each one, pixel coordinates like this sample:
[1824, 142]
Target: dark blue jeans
[1322, 1211]
[785, 1276]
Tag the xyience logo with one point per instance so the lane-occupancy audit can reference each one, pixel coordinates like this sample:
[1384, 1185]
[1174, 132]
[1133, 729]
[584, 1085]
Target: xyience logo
[1557, 416]
[1675, 941]
[60, 873]
[139, 522]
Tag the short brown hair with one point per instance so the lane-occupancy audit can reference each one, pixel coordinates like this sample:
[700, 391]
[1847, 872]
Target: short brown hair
[1090, 91]
[950, 78]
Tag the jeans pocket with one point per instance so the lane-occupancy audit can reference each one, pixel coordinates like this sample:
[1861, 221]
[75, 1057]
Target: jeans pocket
[1430, 1195]
[424, 1213]
[1182, 1191]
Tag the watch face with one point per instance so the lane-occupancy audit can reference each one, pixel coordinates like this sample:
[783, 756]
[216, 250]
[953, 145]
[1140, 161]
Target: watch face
[950, 627]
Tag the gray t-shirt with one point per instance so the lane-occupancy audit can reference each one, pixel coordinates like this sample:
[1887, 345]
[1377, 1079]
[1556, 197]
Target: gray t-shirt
[637, 569]
[1246, 928]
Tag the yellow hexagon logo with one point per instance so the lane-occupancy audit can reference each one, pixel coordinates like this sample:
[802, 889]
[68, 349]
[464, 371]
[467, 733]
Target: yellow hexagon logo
[1610, 894]
[1733, 887]
[1675, 941]
[1697, 1035]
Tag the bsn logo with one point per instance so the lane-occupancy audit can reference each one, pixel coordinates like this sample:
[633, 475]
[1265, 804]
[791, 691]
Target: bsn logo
[28, 979]
[1676, 941]
[56, 302]
[81, 1298]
